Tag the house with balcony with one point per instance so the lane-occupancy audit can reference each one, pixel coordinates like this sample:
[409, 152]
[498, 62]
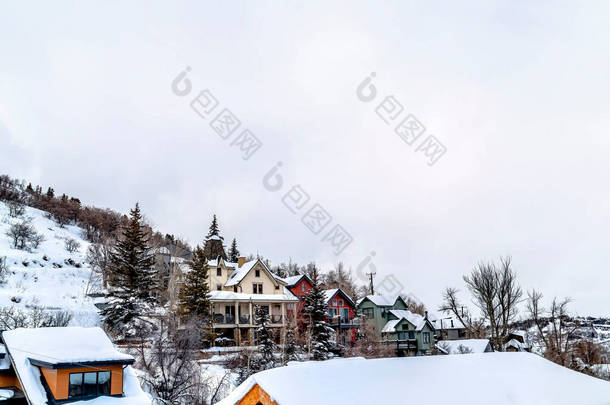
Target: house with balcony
[237, 289]
[448, 326]
[71, 365]
[411, 334]
[342, 315]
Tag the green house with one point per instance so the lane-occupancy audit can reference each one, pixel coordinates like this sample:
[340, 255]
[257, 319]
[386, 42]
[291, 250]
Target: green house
[412, 334]
[376, 308]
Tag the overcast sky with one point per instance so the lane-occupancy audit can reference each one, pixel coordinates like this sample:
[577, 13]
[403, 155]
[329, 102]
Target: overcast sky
[517, 92]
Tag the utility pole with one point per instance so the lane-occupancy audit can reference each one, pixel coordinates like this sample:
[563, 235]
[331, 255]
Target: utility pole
[371, 275]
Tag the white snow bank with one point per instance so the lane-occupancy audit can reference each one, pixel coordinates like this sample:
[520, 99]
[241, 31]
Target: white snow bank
[476, 379]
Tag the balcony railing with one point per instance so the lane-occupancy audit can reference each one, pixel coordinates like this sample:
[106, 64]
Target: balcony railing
[244, 319]
[224, 319]
[345, 322]
[276, 318]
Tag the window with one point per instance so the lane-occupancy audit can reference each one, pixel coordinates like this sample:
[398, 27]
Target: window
[340, 303]
[219, 271]
[257, 288]
[332, 312]
[405, 327]
[257, 273]
[277, 287]
[219, 287]
[426, 336]
[334, 303]
[368, 313]
[234, 288]
[89, 384]
[411, 335]
[303, 287]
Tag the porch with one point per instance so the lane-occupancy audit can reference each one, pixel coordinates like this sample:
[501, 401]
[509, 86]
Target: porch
[242, 314]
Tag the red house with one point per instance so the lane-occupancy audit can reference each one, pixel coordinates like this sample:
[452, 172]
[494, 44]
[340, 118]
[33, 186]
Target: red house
[341, 314]
[300, 286]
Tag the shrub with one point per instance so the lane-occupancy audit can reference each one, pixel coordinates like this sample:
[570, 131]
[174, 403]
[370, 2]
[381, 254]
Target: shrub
[72, 245]
[3, 270]
[15, 208]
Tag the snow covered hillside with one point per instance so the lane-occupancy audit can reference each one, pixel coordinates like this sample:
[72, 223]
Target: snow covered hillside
[48, 276]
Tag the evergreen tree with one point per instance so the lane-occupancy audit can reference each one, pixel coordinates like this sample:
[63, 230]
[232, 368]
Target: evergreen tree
[266, 345]
[214, 231]
[290, 346]
[50, 193]
[29, 189]
[315, 308]
[194, 300]
[234, 252]
[132, 281]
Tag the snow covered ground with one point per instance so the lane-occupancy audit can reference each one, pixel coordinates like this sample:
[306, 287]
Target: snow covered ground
[56, 283]
[469, 379]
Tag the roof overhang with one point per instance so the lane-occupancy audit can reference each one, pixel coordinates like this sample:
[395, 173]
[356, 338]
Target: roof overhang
[81, 364]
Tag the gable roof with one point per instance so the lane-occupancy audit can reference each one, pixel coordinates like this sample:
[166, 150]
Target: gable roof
[66, 347]
[381, 300]
[294, 280]
[448, 321]
[329, 294]
[240, 272]
[509, 378]
[416, 320]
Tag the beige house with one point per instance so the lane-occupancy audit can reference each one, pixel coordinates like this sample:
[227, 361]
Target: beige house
[236, 290]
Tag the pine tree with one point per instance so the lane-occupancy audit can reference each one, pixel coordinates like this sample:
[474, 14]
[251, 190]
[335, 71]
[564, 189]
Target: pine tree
[315, 309]
[194, 300]
[234, 252]
[266, 345]
[132, 281]
[50, 193]
[214, 231]
[29, 189]
[290, 346]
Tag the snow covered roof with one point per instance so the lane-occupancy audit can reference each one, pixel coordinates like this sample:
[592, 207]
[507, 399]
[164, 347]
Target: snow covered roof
[416, 320]
[240, 272]
[448, 321]
[390, 326]
[292, 280]
[60, 346]
[5, 361]
[453, 346]
[69, 346]
[507, 378]
[233, 296]
[515, 344]
[380, 300]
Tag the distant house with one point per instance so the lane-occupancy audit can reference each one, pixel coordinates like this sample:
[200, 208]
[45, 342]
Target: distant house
[448, 327]
[501, 378]
[516, 341]
[375, 309]
[412, 334]
[341, 313]
[464, 346]
[66, 365]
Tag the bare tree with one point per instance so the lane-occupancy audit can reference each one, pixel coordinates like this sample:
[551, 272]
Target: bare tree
[475, 328]
[16, 208]
[24, 236]
[552, 325]
[368, 344]
[3, 270]
[496, 294]
[168, 360]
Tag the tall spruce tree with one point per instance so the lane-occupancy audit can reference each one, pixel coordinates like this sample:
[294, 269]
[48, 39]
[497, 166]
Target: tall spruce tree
[194, 300]
[266, 345]
[234, 252]
[214, 230]
[315, 309]
[132, 281]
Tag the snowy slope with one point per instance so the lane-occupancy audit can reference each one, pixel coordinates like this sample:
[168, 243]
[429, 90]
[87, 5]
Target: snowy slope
[35, 281]
[470, 379]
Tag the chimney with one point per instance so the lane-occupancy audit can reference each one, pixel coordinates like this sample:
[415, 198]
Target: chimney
[426, 316]
[240, 261]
